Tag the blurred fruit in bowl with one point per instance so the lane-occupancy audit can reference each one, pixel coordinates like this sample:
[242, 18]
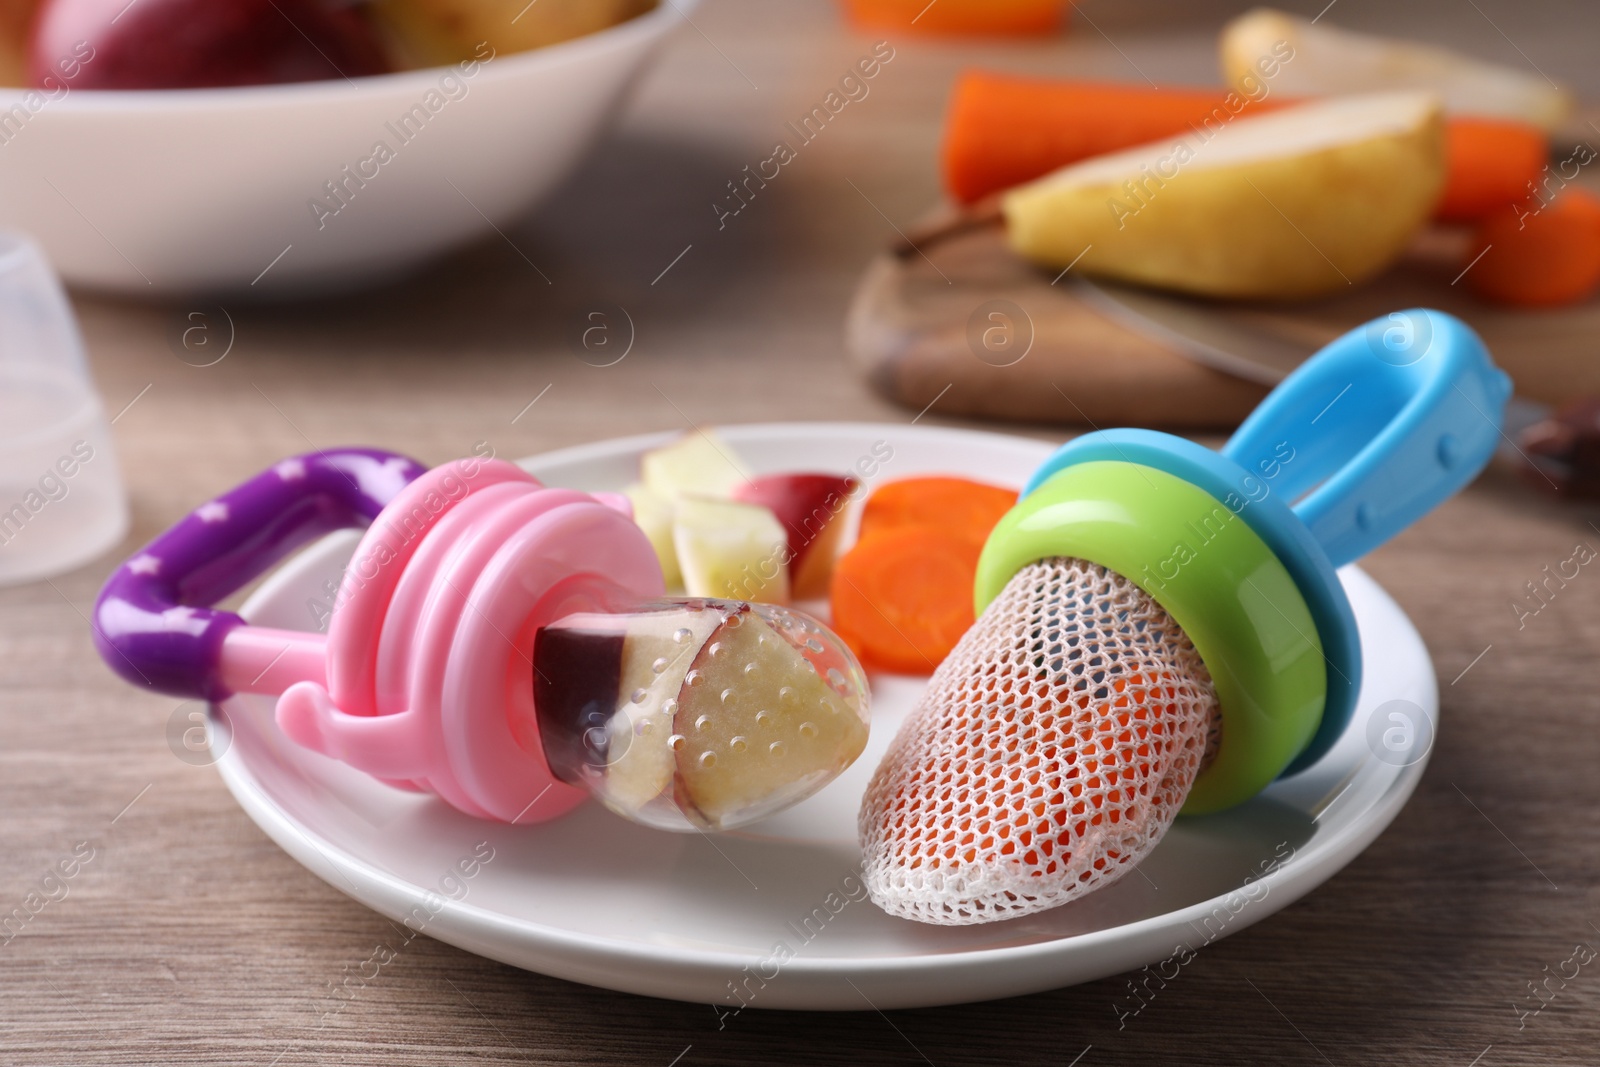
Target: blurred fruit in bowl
[187, 44]
[15, 18]
[434, 32]
[320, 187]
[960, 17]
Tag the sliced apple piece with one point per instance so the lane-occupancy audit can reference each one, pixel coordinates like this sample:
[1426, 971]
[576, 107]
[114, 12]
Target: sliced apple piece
[731, 550]
[653, 514]
[697, 714]
[807, 506]
[1298, 57]
[658, 651]
[1293, 203]
[758, 727]
[698, 463]
[605, 691]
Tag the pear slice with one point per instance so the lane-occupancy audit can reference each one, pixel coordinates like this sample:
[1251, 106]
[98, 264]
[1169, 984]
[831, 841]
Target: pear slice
[757, 727]
[1300, 58]
[1293, 203]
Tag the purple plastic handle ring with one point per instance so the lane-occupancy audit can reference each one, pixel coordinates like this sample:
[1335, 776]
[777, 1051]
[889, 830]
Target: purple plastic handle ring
[152, 624]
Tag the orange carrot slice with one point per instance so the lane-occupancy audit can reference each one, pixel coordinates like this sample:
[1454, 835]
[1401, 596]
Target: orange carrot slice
[1541, 259]
[958, 506]
[902, 598]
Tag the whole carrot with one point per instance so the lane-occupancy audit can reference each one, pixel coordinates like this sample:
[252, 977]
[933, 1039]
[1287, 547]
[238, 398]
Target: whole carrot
[1003, 130]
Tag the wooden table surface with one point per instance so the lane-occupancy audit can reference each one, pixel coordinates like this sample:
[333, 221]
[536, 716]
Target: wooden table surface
[191, 938]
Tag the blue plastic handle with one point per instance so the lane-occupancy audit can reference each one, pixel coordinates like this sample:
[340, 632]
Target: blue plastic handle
[1367, 435]
[1378, 428]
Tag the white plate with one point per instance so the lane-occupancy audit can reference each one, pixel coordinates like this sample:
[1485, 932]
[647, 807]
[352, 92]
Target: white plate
[595, 899]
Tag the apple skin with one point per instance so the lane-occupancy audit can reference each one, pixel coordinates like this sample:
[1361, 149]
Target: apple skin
[190, 44]
[808, 506]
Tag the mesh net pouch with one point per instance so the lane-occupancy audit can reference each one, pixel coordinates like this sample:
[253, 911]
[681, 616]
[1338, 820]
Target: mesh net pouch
[1048, 756]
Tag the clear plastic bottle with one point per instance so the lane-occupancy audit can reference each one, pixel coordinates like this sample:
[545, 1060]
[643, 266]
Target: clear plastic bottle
[61, 497]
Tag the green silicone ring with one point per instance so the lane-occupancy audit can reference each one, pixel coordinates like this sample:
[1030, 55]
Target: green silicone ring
[1214, 576]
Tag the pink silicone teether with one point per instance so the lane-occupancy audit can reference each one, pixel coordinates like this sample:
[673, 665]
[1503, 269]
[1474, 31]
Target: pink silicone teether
[501, 644]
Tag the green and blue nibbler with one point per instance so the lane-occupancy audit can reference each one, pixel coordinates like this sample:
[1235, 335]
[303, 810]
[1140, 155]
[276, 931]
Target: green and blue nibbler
[1240, 546]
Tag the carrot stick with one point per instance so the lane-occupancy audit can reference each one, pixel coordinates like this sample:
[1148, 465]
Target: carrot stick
[1004, 130]
[902, 598]
[971, 18]
[959, 506]
[1539, 255]
[1493, 163]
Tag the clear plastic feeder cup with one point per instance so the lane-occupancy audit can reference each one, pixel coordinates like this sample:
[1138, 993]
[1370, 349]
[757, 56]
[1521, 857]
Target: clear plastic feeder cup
[697, 714]
[61, 497]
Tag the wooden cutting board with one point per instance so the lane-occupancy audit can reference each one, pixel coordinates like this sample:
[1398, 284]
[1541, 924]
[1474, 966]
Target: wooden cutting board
[923, 326]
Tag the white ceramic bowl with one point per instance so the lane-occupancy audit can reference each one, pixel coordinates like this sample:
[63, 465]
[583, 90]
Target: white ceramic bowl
[211, 190]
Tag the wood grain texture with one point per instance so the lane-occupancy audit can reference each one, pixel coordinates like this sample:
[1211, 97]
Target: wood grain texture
[190, 938]
[1010, 343]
